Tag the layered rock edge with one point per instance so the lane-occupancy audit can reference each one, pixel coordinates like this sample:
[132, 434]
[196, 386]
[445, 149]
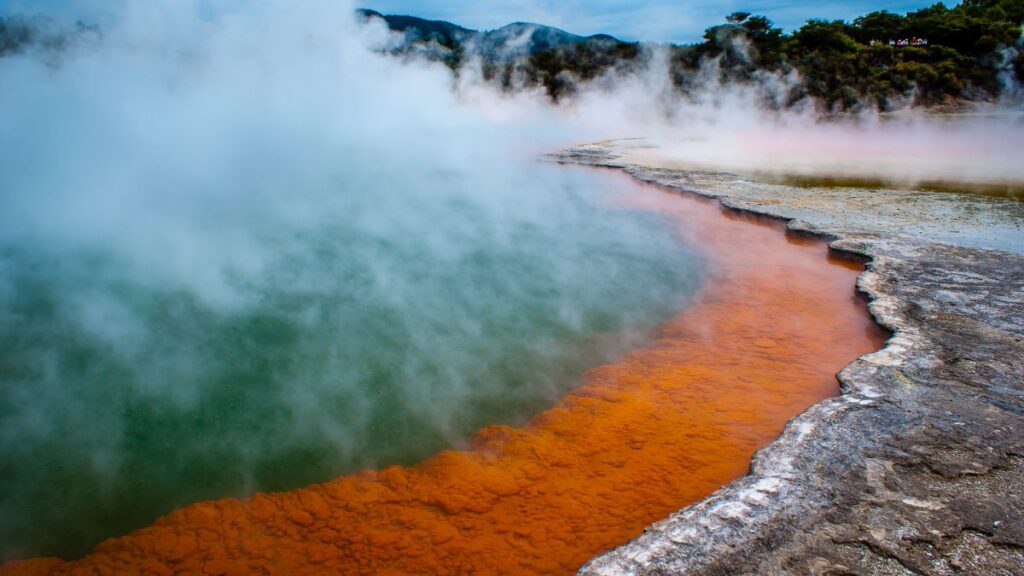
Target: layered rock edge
[917, 468]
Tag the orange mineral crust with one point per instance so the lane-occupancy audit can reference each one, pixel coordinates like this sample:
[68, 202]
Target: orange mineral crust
[666, 425]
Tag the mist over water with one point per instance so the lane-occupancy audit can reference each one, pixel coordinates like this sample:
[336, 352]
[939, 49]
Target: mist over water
[239, 252]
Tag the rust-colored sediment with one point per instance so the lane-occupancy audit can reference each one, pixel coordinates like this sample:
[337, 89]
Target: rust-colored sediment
[665, 426]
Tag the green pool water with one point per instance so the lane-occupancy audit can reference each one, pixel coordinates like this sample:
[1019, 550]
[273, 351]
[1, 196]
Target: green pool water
[388, 327]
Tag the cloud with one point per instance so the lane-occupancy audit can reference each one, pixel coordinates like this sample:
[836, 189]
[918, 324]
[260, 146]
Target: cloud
[653, 20]
[240, 252]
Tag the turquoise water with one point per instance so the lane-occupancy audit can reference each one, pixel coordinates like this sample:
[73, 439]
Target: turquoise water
[388, 326]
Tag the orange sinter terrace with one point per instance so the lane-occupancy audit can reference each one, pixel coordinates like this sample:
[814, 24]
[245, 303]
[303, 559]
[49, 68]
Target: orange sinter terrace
[664, 426]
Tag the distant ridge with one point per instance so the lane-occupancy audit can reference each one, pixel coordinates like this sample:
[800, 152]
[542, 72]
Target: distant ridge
[941, 58]
[509, 41]
[444, 33]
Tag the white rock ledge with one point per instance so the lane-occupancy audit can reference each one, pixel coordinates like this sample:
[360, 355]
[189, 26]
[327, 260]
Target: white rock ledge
[918, 467]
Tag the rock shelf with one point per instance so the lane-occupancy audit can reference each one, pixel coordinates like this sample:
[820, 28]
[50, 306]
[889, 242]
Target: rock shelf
[918, 467]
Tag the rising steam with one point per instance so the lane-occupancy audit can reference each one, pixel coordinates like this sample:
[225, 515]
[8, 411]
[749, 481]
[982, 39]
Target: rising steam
[240, 250]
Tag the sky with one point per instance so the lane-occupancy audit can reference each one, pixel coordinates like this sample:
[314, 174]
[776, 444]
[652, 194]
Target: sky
[653, 20]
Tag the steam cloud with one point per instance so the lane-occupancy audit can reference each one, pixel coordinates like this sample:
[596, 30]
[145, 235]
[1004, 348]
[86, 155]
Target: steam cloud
[738, 127]
[239, 251]
[745, 126]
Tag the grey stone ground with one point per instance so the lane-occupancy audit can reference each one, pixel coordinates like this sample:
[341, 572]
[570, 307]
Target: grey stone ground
[918, 467]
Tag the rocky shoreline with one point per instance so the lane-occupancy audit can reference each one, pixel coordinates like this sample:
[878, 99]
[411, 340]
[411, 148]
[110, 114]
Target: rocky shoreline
[918, 467]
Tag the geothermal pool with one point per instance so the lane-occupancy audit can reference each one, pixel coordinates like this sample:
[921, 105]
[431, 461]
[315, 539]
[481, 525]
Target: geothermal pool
[382, 331]
[656, 352]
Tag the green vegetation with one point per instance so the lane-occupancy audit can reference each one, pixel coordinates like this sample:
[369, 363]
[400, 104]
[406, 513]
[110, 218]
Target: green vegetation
[971, 52]
[19, 33]
[559, 69]
[961, 53]
[967, 53]
[15, 34]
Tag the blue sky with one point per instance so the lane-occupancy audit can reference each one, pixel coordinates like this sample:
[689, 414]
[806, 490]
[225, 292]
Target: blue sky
[659, 20]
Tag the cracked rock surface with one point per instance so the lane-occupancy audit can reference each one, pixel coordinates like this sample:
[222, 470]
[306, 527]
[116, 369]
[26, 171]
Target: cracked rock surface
[918, 467]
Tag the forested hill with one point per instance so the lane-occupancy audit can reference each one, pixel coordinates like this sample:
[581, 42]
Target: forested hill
[938, 56]
[972, 52]
[451, 42]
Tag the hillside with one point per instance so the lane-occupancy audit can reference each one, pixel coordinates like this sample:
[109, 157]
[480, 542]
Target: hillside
[937, 56]
[449, 42]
